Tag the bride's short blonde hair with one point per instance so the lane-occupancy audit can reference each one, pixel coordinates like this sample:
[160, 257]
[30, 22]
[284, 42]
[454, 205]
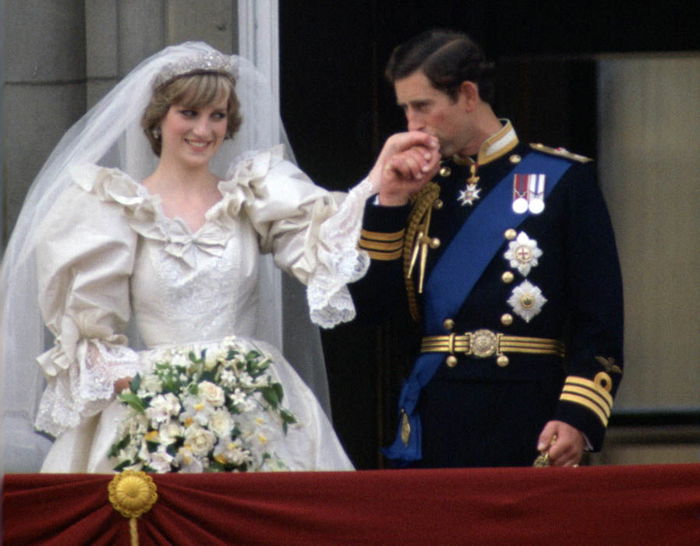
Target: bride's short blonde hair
[194, 90]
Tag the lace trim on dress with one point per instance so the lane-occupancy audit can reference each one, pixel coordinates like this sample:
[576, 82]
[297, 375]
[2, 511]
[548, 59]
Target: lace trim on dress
[341, 261]
[81, 370]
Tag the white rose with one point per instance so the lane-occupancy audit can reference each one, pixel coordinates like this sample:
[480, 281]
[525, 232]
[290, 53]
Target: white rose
[211, 393]
[221, 423]
[199, 440]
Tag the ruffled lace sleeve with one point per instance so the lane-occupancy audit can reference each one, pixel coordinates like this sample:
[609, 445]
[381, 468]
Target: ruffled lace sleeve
[311, 232]
[85, 255]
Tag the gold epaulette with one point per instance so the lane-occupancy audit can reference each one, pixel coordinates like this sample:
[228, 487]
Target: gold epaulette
[560, 152]
[418, 221]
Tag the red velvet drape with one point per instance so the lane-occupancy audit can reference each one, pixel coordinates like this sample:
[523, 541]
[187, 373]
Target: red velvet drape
[613, 505]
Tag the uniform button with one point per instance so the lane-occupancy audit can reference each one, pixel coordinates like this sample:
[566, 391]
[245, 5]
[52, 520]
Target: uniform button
[506, 319]
[445, 171]
[515, 159]
[507, 277]
[435, 242]
[502, 361]
[451, 361]
[448, 324]
[510, 234]
[437, 204]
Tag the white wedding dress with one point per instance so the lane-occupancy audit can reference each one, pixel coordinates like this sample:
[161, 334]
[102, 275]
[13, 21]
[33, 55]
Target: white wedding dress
[108, 256]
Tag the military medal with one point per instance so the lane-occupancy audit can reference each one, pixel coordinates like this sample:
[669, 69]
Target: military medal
[470, 194]
[536, 193]
[520, 183]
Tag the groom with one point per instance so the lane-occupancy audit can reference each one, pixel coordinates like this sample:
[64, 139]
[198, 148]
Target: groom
[504, 255]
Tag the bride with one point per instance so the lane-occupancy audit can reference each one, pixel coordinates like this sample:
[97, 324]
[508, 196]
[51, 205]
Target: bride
[132, 257]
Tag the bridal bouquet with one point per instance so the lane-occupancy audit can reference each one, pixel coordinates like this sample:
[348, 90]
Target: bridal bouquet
[211, 409]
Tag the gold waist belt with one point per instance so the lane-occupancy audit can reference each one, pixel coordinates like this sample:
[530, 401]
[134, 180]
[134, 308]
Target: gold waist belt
[486, 343]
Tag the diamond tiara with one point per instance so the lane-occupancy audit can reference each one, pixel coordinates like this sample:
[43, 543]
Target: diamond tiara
[210, 61]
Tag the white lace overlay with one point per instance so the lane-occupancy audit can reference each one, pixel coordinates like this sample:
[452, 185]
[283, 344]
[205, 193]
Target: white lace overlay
[341, 260]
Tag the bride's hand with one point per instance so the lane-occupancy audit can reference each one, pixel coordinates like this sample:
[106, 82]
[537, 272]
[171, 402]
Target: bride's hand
[121, 384]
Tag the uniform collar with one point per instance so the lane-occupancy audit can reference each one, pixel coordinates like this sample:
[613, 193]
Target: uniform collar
[497, 145]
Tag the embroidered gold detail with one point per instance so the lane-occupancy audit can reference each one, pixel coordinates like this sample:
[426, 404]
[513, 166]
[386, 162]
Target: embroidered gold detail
[608, 364]
[417, 242]
[590, 395]
[603, 380]
[560, 152]
[484, 343]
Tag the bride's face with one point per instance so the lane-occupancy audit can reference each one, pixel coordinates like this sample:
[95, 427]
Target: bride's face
[192, 136]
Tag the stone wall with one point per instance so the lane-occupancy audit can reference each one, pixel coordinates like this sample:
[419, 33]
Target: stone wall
[62, 56]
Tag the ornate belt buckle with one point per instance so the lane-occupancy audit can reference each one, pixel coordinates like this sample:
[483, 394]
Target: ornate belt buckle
[483, 343]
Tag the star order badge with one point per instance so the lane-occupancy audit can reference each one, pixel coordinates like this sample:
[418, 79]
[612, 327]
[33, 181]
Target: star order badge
[527, 300]
[523, 253]
[468, 195]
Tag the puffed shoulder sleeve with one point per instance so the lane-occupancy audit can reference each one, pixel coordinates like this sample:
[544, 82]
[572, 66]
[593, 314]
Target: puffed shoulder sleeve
[312, 233]
[85, 255]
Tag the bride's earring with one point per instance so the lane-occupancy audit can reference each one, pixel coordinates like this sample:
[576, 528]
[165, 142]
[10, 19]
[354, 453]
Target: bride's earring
[156, 133]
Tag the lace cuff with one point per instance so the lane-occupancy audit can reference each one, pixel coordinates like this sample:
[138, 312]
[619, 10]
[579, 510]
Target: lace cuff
[81, 387]
[341, 261]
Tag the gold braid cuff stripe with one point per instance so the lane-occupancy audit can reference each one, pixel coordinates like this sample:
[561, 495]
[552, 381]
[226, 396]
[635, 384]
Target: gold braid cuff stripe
[382, 246]
[585, 392]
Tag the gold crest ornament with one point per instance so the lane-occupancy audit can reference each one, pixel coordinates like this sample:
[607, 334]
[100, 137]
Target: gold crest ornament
[132, 493]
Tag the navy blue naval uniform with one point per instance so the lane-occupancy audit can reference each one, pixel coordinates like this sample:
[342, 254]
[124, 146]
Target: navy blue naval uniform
[489, 411]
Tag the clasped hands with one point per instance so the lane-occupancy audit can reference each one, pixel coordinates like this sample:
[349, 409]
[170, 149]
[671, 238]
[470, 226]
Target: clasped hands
[406, 163]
